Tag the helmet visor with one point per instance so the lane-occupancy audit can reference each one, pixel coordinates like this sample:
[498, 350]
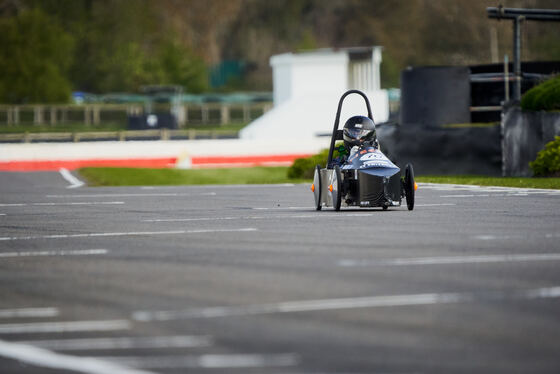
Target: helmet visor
[359, 134]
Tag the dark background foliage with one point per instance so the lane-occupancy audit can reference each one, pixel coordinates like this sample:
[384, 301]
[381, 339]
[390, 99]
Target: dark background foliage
[50, 47]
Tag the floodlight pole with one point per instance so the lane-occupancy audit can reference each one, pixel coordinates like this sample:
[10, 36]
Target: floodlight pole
[517, 56]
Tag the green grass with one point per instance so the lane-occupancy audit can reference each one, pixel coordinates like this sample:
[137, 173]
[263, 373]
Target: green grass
[548, 183]
[153, 177]
[268, 175]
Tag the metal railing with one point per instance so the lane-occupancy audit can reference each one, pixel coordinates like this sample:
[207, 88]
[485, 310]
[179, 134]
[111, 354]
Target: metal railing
[95, 114]
[160, 134]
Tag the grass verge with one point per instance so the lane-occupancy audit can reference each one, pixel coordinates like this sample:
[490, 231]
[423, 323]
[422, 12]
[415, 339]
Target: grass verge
[158, 177]
[268, 175]
[548, 183]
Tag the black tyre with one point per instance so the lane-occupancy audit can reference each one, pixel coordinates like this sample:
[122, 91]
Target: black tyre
[336, 193]
[316, 187]
[409, 186]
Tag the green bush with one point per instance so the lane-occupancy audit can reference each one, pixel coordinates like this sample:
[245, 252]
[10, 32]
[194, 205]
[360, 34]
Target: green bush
[547, 163]
[545, 96]
[303, 168]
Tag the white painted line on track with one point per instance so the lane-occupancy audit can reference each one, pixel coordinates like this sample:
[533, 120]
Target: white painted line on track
[123, 343]
[67, 204]
[48, 359]
[62, 327]
[210, 361]
[460, 196]
[77, 252]
[29, 312]
[451, 260]
[220, 186]
[243, 186]
[131, 233]
[312, 208]
[82, 203]
[491, 237]
[509, 194]
[475, 188]
[341, 304]
[488, 237]
[198, 219]
[284, 216]
[299, 306]
[132, 195]
[284, 208]
[74, 182]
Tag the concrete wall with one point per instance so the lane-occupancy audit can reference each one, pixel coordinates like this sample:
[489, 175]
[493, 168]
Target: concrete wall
[524, 134]
[175, 153]
[451, 151]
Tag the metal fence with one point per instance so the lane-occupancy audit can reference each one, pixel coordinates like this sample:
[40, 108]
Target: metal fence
[88, 114]
[160, 134]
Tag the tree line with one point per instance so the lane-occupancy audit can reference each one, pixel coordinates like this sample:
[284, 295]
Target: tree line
[49, 48]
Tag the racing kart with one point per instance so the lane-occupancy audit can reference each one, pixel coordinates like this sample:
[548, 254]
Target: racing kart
[366, 179]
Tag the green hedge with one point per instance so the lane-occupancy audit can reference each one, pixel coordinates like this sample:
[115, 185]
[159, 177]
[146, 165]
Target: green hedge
[304, 167]
[545, 96]
[547, 163]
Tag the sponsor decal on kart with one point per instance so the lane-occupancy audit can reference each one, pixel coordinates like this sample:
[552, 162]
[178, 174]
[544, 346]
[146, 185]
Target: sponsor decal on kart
[372, 156]
[378, 163]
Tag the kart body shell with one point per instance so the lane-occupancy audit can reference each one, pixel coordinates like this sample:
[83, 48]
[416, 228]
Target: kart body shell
[366, 179]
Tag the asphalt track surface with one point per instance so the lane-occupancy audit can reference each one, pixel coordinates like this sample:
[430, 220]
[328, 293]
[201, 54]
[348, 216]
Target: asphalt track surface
[251, 279]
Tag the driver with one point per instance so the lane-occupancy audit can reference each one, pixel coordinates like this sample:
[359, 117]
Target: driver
[358, 132]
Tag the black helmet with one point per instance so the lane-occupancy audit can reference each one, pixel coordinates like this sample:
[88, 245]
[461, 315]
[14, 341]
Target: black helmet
[357, 131]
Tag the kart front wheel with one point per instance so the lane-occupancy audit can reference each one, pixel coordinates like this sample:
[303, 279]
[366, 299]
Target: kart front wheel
[335, 187]
[409, 186]
[316, 187]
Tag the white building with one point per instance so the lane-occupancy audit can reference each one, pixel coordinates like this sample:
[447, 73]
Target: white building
[308, 86]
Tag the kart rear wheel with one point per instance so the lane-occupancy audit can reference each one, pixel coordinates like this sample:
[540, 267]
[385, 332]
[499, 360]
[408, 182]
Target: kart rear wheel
[409, 186]
[336, 192]
[317, 188]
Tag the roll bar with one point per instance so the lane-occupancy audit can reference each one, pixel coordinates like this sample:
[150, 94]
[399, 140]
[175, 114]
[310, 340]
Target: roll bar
[337, 134]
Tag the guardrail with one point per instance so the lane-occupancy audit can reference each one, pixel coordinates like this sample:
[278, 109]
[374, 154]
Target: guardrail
[161, 134]
[206, 113]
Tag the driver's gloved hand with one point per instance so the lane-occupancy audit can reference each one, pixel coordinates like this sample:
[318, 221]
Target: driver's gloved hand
[367, 144]
[374, 144]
